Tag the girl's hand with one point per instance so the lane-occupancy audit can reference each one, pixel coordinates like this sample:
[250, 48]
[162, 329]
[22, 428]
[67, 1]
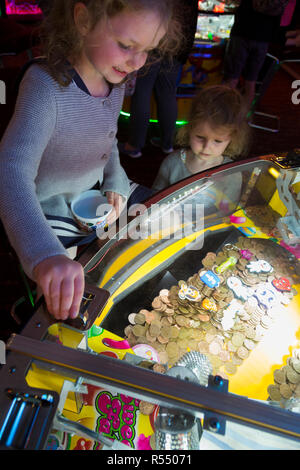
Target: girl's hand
[62, 282]
[118, 203]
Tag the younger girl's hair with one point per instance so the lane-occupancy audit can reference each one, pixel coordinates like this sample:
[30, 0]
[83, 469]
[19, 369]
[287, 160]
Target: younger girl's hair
[61, 39]
[220, 107]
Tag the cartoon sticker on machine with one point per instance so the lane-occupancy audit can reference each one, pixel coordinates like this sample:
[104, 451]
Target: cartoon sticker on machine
[210, 278]
[259, 266]
[239, 289]
[189, 293]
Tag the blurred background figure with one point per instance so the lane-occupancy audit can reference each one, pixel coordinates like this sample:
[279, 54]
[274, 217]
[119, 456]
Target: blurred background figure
[256, 24]
[160, 76]
[293, 38]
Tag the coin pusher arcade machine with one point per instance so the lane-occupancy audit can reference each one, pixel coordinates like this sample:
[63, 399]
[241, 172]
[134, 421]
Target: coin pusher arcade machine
[188, 333]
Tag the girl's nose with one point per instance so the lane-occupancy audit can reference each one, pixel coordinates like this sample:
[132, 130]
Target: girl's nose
[137, 60]
[206, 144]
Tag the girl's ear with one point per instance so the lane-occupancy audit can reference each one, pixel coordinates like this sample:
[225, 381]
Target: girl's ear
[81, 18]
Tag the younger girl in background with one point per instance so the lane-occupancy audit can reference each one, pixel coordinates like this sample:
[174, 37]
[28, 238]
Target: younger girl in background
[217, 132]
[61, 140]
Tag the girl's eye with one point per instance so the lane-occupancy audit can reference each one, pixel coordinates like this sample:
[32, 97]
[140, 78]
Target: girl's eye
[123, 46]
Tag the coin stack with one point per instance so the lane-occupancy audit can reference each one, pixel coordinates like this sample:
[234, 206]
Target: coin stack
[265, 218]
[176, 324]
[286, 381]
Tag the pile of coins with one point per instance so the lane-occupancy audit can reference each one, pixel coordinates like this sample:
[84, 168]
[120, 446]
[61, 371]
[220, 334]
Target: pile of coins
[265, 218]
[195, 316]
[286, 380]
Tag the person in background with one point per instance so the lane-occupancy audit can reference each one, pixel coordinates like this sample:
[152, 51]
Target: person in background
[288, 12]
[161, 76]
[61, 140]
[293, 38]
[255, 25]
[216, 133]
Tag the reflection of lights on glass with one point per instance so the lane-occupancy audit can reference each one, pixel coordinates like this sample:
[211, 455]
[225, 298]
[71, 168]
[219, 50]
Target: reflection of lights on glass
[219, 8]
[23, 8]
[275, 173]
[214, 5]
[212, 27]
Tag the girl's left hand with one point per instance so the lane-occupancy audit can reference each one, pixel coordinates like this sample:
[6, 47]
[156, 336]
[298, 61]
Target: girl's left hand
[118, 203]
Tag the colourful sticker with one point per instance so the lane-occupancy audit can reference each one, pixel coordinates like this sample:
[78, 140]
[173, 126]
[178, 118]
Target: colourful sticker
[95, 331]
[282, 284]
[112, 343]
[239, 289]
[210, 305]
[259, 266]
[229, 263]
[237, 219]
[210, 279]
[247, 231]
[246, 254]
[234, 308]
[266, 296]
[189, 293]
[146, 351]
[117, 416]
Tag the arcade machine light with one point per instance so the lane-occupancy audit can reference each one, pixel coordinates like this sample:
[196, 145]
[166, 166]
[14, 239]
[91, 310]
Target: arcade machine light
[25, 10]
[215, 20]
[216, 6]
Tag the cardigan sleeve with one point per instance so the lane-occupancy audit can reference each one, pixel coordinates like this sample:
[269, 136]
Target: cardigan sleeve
[21, 149]
[114, 176]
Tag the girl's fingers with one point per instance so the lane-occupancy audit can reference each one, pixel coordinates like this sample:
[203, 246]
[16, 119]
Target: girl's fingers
[46, 293]
[77, 296]
[55, 298]
[112, 216]
[66, 298]
[116, 200]
[62, 283]
[110, 197]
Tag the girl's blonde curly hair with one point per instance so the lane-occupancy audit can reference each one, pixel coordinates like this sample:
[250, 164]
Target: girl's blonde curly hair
[61, 40]
[221, 107]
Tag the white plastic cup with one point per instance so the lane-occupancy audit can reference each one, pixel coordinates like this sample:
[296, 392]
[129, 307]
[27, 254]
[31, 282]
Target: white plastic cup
[91, 209]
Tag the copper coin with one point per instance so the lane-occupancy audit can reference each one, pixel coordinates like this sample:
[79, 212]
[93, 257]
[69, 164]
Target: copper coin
[285, 391]
[274, 392]
[214, 348]
[279, 376]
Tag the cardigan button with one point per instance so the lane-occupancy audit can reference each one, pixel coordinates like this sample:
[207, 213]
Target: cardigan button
[106, 103]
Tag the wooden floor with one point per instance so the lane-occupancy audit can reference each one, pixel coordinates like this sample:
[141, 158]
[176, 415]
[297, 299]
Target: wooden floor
[276, 101]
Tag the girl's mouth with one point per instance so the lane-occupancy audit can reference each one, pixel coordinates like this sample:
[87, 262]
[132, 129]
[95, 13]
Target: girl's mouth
[120, 72]
[203, 155]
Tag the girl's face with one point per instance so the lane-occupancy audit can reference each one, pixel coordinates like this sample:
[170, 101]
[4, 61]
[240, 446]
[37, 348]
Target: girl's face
[119, 45]
[207, 142]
